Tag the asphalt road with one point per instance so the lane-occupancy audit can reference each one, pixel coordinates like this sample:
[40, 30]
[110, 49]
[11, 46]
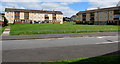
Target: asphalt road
[42, 50]
[43, 36]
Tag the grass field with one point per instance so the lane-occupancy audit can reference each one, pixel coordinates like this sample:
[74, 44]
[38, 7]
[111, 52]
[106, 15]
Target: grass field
[113, 59]
[27, 29]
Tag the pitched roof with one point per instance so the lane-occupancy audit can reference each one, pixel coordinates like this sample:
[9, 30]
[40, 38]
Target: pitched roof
[34, 11]
[101, 9]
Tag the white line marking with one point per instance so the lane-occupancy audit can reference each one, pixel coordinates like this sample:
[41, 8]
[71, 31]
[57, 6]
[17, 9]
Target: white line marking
[115, 41]
[42, 39]
[99, 37]
[105, 42]
[60, 38]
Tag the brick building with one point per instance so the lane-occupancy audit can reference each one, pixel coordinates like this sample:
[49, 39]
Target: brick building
[100, 16]
[14, 15]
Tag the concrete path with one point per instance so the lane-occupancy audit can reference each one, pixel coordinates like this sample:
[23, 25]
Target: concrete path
[6, 31]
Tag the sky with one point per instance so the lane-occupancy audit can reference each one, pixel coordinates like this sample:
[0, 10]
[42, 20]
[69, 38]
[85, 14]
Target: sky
[68, 7]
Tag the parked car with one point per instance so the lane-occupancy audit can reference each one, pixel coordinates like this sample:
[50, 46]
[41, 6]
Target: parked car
[64, 21]
[2, 24]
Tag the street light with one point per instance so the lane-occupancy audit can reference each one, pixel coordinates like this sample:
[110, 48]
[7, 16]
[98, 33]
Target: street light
[118, 3]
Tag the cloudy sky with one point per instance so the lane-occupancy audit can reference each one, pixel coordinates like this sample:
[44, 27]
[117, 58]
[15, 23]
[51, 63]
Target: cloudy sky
[68, 7]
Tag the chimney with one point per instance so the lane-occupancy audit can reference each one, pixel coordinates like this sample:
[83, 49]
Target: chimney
[86, 9]
[98, 7]
[42, 10]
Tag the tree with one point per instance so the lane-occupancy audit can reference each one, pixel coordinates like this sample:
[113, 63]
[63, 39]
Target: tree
[5, 21]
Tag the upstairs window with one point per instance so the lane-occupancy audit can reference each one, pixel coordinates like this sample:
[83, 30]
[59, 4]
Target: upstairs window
[100, 17]
[110, 16]
[100, 12]
[110, 11]
[105, 17]
[105, 12]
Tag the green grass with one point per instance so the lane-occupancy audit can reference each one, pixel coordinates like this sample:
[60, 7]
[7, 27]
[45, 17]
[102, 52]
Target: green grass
[113, 59]
[26, 29]
[2, 29]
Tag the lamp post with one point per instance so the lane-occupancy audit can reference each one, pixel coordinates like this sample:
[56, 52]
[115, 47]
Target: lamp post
[118, 4]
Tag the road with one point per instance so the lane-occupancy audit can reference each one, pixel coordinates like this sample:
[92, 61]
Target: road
[42, 50]
[44, 36]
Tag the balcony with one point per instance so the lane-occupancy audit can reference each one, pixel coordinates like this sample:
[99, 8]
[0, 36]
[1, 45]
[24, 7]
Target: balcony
[116, 19]
[17, 18]
[17, 14]
[84, 19]
[54, 15]
[54, 18]
[46, 16]
[84, 16]
[116, 12]
[92, 14]
[92, 19]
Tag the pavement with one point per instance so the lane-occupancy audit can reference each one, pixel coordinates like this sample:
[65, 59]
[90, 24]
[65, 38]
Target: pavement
[53, 49]
[6, 31]
[44, 36]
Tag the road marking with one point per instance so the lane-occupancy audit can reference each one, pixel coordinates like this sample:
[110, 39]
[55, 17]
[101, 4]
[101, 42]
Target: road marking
[104, 42]
[42, 39]
[60, 38]
[99, 37]
[116, 41]
[108, 42]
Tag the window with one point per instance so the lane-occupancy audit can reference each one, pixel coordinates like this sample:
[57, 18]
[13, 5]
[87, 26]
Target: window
[16, 16]
[84, 14]
[100, 12]
[105, 17]
[100, 17]
[26, 13]
[17, 12]
[110, 11]
[105, 12]
[46, 13]
[26, 16]
[117, 16]
[95, 13]
[110, 16]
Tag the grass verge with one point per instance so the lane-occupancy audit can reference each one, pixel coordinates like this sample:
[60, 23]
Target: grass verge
[113, 59]
[29, 29]
[2, 29]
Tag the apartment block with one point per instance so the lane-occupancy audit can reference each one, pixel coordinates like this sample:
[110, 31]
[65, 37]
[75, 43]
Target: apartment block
[100, 16]
[14, 15]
